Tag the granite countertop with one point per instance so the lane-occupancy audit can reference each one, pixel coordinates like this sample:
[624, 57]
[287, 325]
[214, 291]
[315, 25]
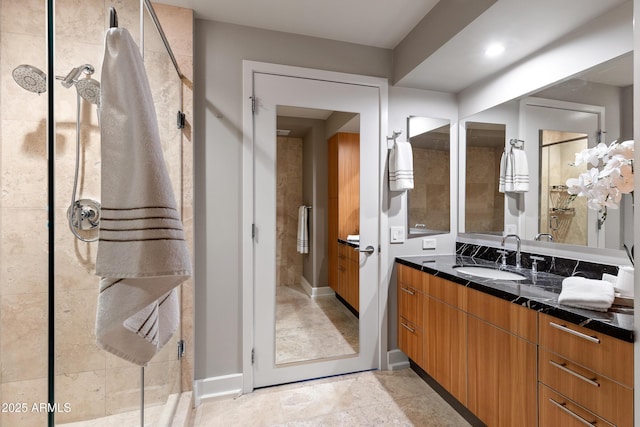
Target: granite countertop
[539, 291]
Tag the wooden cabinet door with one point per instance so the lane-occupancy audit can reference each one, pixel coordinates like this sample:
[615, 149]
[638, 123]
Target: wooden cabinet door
[502, 376]
[445, 335]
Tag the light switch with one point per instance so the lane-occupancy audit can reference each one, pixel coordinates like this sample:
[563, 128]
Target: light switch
[397, 234]
[428, 244]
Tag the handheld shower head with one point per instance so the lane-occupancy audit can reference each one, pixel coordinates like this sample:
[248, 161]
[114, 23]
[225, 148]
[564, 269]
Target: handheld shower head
[71, 78]
[30, 78]
[89, 90]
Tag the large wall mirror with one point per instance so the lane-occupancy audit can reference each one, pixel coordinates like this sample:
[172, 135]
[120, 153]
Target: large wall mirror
[429, 201]
[555, 123]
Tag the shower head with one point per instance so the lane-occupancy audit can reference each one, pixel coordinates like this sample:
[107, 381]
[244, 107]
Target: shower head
[89, 90]
[30, 78]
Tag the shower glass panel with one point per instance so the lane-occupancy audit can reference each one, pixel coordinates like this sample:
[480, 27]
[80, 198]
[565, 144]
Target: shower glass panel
[23, 218]
[89, 384]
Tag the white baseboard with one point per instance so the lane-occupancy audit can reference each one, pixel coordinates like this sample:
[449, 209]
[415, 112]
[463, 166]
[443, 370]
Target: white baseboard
[397, 360]
[225, 386]
[315, 292]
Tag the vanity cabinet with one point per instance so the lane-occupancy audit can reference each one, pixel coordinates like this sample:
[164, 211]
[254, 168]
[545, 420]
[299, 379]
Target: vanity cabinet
[583, 375]
[508, 364]
[348, 275]
[502, 361]
[343, 204]
[445, 337]
[432, 327]
[411, 289]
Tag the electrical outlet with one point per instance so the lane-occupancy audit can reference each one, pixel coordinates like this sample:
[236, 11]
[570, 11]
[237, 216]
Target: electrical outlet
[397, 234]
[428, 244]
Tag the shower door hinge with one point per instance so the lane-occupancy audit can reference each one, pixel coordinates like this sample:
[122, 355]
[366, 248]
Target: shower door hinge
[181, 349]
[253, 103]
[253, 231]
[253, 355]
[181, 120]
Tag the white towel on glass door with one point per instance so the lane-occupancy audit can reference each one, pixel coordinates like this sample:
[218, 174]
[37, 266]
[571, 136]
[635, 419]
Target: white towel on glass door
[302, 241]
[401, 167]
[142, 255]
[514, 172]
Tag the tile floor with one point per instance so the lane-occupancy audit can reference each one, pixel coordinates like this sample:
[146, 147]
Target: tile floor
[312, 328]
[375, 398]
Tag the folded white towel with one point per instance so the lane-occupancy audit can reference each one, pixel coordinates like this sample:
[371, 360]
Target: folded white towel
[142, 255]
[514, 172]
[591, 294]
[302, 242]
[401, 167]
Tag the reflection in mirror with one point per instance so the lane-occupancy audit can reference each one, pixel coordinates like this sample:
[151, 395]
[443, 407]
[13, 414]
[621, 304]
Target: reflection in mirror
[609, 87]
[429, 201]
[311, 321]
[484, 204]
[561, 216]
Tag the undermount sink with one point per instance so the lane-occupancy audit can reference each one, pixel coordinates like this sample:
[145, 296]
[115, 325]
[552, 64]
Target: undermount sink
[489, 273]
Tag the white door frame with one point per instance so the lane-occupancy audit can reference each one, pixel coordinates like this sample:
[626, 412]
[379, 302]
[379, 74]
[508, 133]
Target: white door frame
[248, 70]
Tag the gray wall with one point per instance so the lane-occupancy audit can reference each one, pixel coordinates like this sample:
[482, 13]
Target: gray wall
[219, 51]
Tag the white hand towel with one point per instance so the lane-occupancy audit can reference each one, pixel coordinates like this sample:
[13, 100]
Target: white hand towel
[142, 255]
[401, 167]
[514, 172]
[302, 242]
[590, 294]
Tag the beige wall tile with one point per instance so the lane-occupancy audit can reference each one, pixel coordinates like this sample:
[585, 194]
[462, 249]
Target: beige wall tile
[23, 342]
[84, 391]
[29, 392]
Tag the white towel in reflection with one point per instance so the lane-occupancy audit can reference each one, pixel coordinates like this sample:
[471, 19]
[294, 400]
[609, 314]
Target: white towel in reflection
[302, 242]
[514, 171]
[591, 294]
[401, 167]
[142, 255]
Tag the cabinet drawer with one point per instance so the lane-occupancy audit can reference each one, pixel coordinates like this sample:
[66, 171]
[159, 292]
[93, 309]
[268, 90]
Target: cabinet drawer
[411, 304]
[598, 352]
[410, 340]
[412, 277]
[558, 411]
[590, 390]
[446, 291]
[513, 318]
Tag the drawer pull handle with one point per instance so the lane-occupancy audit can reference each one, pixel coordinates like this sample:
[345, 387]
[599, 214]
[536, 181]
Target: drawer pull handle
[576, 333]
[408, 328]
[563, 366]
[409, 291]
[573, 414]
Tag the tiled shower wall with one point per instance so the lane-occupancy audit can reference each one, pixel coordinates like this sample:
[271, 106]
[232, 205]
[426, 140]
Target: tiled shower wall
[93, 382]
[288, 200]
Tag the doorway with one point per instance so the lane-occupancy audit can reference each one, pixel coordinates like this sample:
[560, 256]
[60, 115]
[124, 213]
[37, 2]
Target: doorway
[278, 98]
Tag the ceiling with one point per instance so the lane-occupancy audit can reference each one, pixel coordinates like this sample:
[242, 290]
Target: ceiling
[522, 26]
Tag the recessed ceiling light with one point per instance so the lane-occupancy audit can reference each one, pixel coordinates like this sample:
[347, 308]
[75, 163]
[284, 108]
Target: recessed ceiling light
[494, 49]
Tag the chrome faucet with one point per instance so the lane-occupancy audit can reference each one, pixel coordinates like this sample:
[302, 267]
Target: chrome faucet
[518, 265]
[547, 235]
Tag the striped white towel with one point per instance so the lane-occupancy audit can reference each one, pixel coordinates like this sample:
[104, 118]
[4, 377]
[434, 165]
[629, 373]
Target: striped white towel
[303, 230]
[142, 255]
[514, 172]
[401, 167]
